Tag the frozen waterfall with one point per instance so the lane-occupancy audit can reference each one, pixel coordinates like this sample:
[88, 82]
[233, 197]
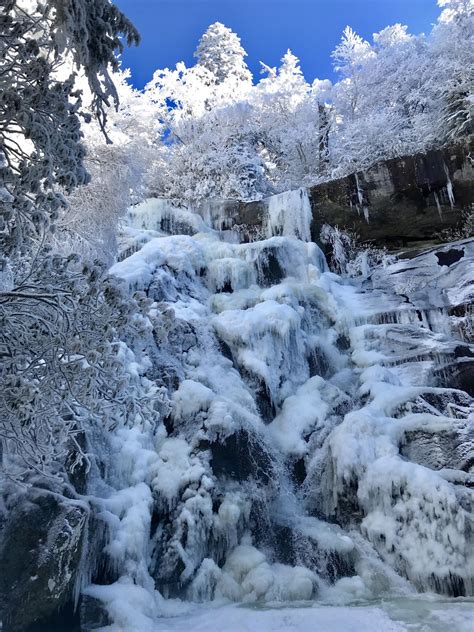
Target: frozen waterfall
[318, 440]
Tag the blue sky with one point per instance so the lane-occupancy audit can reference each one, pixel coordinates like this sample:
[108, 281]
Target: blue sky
[170, 29]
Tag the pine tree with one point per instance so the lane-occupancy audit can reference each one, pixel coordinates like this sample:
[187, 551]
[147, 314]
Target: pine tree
[288, 121]
[221, 53]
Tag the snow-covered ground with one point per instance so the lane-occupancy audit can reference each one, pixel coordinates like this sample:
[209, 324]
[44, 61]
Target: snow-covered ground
[402, 615]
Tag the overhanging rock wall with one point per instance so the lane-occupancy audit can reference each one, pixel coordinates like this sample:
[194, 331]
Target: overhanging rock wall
[393, 203]
[400, 200]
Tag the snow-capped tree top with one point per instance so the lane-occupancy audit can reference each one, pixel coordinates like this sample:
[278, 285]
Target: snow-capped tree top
[455, 9]
[219, 50]
[351, 53]
[287, 79]
[290, 64]
[391, 36]
[321, 91]
[290, 67]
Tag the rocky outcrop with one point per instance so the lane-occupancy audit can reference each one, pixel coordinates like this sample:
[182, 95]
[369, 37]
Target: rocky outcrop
[393, 203]
[41, 545]
[398, 201]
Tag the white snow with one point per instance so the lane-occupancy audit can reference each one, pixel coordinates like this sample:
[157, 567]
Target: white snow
[191, 397]
[299, 414]
[175, 468]
[402, 616]
[247, 576]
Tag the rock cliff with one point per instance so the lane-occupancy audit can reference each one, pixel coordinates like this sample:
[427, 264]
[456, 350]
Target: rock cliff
[393, 203]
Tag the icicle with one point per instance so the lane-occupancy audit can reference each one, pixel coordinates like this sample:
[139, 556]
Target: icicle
[449, 187]
[360, 192]
[438, 205]
[360, 198]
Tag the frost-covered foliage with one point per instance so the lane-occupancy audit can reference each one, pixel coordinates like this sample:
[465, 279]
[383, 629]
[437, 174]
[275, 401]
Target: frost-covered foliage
[41, 147]
[453, 41]
[347, 257]
[116, 164]
[207, 122]
[465, 230]
[92, 32]
[220, 51]
[227, 139]
[290, 119]
[404, 93]
[65, 365]
[65, 327]
[223, 137]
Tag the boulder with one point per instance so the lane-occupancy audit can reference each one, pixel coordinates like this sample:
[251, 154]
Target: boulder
[41, 546]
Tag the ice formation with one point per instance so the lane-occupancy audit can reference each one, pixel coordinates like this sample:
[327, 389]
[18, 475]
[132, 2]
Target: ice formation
[318, 439]
[289, 214]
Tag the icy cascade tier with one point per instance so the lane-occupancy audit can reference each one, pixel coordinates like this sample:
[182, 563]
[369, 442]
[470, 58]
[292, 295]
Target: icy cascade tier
[289, 213]
[317, 444]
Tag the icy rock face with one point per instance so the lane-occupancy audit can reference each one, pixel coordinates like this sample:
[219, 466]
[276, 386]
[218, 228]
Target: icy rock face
[313, 445]
[438, 283]
[417, 513]
[41, 549]
[401, 200]
[392, 203]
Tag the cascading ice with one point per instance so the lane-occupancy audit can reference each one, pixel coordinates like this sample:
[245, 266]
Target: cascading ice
[296, 461]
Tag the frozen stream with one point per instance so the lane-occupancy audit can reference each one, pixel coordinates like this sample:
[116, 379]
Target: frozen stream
[401, 615]
[314, 460]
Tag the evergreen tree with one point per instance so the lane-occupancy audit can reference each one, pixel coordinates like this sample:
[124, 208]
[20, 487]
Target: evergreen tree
[221, 53]
[288, 124]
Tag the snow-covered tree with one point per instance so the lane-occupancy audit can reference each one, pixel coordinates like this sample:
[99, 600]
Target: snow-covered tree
[68, 335]
[89, 223]
[40, 148]
[63, 361]
[453, 46]
[321, 90]
[288, 122]
[350, 58]
[392, 36]
[384, 103]
[213, 156]
[221, 53]
[207, 123]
